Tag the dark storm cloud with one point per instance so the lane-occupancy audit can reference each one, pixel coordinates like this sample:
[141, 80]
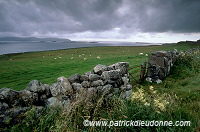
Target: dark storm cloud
[26, 17]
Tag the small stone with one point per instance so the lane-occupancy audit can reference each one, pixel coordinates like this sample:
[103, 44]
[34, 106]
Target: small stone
[84, 78]
[85, 84]
[97, 83]
[99, 69]
[94, 77]
[74, 78]
[76, 86]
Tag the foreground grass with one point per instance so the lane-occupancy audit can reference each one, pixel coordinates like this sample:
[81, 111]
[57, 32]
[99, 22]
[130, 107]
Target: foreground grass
[17, 70]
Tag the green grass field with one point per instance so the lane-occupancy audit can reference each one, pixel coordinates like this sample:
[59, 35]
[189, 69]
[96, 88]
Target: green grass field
[181, 87]
[17, 70]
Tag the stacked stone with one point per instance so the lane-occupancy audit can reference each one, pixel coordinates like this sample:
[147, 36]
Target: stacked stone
[159, 65]
[103, 80]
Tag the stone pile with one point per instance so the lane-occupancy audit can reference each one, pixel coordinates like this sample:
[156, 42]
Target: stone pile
[159, 65]
[103, 80]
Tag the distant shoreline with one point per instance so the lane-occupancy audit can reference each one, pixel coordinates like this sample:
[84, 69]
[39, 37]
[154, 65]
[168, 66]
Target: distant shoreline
[24, 47]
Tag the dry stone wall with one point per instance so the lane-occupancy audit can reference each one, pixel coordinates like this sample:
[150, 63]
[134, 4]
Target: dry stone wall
[159, 65]
[103, 80]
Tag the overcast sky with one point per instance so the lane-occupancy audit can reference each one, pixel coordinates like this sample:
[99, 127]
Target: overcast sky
[129, 20]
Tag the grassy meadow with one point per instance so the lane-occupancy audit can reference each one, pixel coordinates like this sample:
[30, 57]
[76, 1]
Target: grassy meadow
[178, 94]
[17, 70]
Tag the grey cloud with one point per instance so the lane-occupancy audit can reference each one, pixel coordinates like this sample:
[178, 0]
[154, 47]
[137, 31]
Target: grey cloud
[26, 17]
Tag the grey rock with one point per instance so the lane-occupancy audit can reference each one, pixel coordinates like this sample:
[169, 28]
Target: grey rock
[84, 78]
[28, 97]
[99, 69]
[74, 78]
[125, 80]
[152, 60]
[85, 84]
[55, 89]
[109, 82]
[14, 112]
[107, 89]
[9, 96]
[66, 103]
[88, 73]
[111, 75]
[92, 93]
[160, 61]
[36, 86]
[148, 79]
[43, 97]
[76, 86]
[53, 102]
[94, 77]
[3, 107]
[61, 88]
[161, 53]
[97, 83]
[123, 66]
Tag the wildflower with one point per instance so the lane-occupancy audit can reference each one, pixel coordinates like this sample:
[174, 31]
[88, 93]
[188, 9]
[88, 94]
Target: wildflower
[72, 58]
[79, 55]
[151, 88]
[55, 58]
[147, 104]
[146, 55]
[85, 59]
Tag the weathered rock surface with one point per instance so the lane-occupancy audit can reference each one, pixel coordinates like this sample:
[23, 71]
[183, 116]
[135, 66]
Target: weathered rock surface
[74, 78]
[94, 77]
[99, 69]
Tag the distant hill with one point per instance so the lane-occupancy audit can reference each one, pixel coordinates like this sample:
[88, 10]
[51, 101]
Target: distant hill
[33, 39]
